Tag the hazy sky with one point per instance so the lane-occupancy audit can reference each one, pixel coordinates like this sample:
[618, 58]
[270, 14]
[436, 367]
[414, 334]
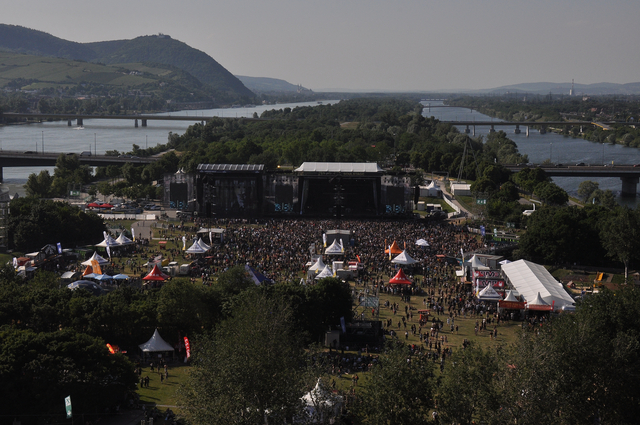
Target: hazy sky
[372, 44]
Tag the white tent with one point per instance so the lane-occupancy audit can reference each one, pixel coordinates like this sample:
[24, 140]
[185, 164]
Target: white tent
[511, 297]
[318, 266]
[476, 264]
[321, 403]
[155, 344]
[196, 248]
[531, 280]
[489, 294]
[404, 259]
[203, 245]
[334, 248]
[422, 242]
[97, 258]
[108, 241]
[326, 272]
[123, 240]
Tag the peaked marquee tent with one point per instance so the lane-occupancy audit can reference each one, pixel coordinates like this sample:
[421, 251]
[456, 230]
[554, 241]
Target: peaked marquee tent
[156, 274]
[395, 249]
[404, 259]
[400, 279]
[155, 344]
[334, 248]
[326, 272]
[489, 294]
[95, 257]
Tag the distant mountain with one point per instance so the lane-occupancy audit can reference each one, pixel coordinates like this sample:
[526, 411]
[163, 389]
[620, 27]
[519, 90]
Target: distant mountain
[159, 49]
[165, 50]
[564, 88]
[269, 85]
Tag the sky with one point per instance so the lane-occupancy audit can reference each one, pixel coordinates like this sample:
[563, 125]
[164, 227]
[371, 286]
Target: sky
[362, 45]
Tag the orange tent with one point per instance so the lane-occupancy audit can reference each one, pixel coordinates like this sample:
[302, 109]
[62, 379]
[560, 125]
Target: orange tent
[88, 270]
[395, 249]
[400, 279]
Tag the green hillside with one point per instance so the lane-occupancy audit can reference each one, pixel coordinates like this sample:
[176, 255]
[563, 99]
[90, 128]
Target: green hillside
[269, 85]
[173, 56]
[28, 72]
[163, 49]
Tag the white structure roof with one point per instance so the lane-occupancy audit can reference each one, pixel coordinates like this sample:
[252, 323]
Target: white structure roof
[403, 258]
[339, 167]
[334, 249]
[318, 265]
[489, 294]
[529, 279]
[326, 272]
[155, 344]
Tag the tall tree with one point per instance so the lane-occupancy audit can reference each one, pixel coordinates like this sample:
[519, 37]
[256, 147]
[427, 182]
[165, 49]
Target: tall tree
[620, 235]
[248, 369]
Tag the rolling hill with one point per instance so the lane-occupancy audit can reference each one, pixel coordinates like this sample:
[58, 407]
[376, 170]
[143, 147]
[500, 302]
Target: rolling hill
[156, 49]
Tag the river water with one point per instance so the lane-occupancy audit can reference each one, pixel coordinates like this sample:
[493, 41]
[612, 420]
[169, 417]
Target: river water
[103, 135]
[560, 149]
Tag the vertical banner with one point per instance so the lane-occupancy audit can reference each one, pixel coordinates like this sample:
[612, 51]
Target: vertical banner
[187, 346]
[324, 239]
[59, 248]
[133, 235]
[67, 406]
[343, 325]
[184, 243]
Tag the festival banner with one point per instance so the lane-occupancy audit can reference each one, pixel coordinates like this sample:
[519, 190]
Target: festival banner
[496, 283]
[187, 346]
[67, 406]
[494, 274]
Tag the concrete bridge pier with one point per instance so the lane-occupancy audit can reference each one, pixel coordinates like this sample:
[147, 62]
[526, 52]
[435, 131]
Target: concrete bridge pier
[474, 131]
[467, 130]
[144, 123]
[517, 130]
[69, 123]
[135, 124]
[629, 186]
[79, 122]
[527, 130]
[493, 130]
[1, 175]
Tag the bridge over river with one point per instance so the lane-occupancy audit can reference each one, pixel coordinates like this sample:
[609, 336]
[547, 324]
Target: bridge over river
[48, 159]
[628, 174]
[137, 119]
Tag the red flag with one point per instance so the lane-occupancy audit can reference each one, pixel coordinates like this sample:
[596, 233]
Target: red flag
[187, 347]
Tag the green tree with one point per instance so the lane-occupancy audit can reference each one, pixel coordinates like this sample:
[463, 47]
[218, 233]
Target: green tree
[470, 387]
[40, 369]
[586, 189]
[399, 390]
[39, 185]
[248, 369]
[621, 236]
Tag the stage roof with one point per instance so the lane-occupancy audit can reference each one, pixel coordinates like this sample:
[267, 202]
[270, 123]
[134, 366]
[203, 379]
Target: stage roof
[230, 168]
[339, 167]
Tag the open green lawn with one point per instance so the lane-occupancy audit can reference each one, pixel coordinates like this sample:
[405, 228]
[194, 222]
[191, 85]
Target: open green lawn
[163, 394]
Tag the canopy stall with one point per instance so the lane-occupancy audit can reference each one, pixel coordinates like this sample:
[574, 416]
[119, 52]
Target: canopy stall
[95, 257]
[404, 259]
[196, 248]
[538, 304]
[317, 266]
[108, 241]
[326, 272]
[422, 242]
[400, 279]
[394, 249]
[335, 248]
[156, 344]
[156, 274]
[123, 240]
[489, 294]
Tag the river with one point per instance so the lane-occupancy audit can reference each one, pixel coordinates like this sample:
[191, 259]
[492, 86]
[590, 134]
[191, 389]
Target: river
[560, 149]
[103, 135]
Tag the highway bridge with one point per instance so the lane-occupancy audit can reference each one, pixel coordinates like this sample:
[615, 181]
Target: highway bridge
[542, 126]
[137, 119]
[48, 159]
[628, 174]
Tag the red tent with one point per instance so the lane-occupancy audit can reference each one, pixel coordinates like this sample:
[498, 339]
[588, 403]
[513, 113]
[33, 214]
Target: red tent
[93, 205]
[400, 279]
[105, 206]
[155, 274]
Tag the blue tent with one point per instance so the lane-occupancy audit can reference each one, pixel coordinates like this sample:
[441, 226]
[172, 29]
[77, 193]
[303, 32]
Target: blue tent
[257, 277]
